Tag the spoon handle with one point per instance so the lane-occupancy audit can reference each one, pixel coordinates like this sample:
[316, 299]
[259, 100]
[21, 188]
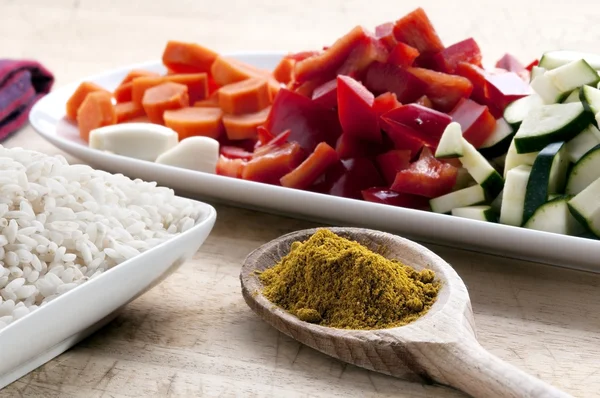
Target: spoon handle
[475, 371]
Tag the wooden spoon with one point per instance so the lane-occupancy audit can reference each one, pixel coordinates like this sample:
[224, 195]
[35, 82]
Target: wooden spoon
[439, 347]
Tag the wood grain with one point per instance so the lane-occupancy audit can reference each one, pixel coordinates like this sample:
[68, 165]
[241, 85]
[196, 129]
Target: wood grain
[439, 347]
[193, 335]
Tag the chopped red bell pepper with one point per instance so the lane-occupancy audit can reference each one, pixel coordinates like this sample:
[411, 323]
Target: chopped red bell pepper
[476, 76]
[354, 176]
[230, 167]
[326, 94]
[382, 78]
[325, 64]
[387, 197]
[309, 123]
[312, 168]
[443, 89]
[416, 30]
[426, 124]
[385, 102]
[301, 56]
[273, 144]
[264, 136]
[385, 34]
[391, 162]
[270, 167]
[349, 146]
[401, 136]
[465, 51]
[234, 152]
[403, 55]
[510, 63]
[426, 177]
[504, 88]
[533, 63]
[355, 110]
[364, 54]
[476, 121]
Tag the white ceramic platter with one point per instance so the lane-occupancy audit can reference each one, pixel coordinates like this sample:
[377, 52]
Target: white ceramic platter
[52, 329]
[47, 117]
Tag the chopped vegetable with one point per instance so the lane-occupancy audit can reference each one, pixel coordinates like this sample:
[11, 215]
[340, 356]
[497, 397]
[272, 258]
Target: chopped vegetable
[192, 121]
[182, 57]
[96, 110]
[127, 111]
[246, 96]
[164, 97]
[194, 153]
[80, 94]
[241, 127]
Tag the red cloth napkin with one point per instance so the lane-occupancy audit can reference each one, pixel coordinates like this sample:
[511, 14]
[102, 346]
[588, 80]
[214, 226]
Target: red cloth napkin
[22, 83]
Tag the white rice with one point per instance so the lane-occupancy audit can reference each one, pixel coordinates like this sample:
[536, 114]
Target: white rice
[61, 225]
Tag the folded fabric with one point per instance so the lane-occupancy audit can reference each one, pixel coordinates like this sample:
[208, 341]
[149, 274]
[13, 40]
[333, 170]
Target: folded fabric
[22, 83]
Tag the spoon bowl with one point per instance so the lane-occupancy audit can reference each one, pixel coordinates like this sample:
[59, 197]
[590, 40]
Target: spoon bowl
[440, 346]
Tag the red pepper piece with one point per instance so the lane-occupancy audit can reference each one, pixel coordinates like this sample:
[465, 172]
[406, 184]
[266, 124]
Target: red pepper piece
[426, 124]
[403, 55]
[443, 89]
[392, 162]
[476, 121]
[355, 110]
[381, 78]
[416, 30]
[465, 51]
[387, 197]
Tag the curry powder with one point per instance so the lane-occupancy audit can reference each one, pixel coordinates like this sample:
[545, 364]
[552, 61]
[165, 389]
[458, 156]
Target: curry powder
[336, 282]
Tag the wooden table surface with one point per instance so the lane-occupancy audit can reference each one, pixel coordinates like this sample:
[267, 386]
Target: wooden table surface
[193, 335]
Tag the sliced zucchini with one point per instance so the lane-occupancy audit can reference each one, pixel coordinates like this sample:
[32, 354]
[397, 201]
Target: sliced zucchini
[585, 207]
[513, 197]
[582, 143]
[548, 176]
[554, 59]
[548, 92]
[450, 145]
[481, 170]
[585, 171]
[573, 75]
[464, 197]
[535, 72]
[573, 97]
[514, 159]
[477, 212]
[554, 216]
[517, 110]
[498, 142]
[590, 98]
[497, 203]
[498, 162]
[551, 123]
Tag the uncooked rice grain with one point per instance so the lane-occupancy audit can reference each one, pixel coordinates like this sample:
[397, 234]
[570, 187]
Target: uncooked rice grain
[61, 225]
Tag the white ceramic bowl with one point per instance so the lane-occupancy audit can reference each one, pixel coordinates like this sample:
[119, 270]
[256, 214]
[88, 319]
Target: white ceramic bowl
[52, 329]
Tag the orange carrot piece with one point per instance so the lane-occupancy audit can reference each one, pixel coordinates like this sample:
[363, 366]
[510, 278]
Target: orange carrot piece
[247, 96]
[123, 92]
[79, 96]
[141, 84]
[128, 110]
[164, 97]
[312, 168]
[197, 84]
[137, 73]
[241, 127]
[227, 70]
[283, 71]
[211, 102]
[96, 110]
[182, 57]
[189, 122]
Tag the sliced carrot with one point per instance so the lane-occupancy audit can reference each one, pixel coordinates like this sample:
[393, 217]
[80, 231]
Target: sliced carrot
[197, 84]
[188, 122]
[79, 96]
[228, 70]
[96, 110]
[137, 73]
[247, 96]
[164, 97]
[211, 102]
[312, 167]
[141, 84]
[123, 92]
[128, 110]
[183, 57]
[241, 127]
[283, 70]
